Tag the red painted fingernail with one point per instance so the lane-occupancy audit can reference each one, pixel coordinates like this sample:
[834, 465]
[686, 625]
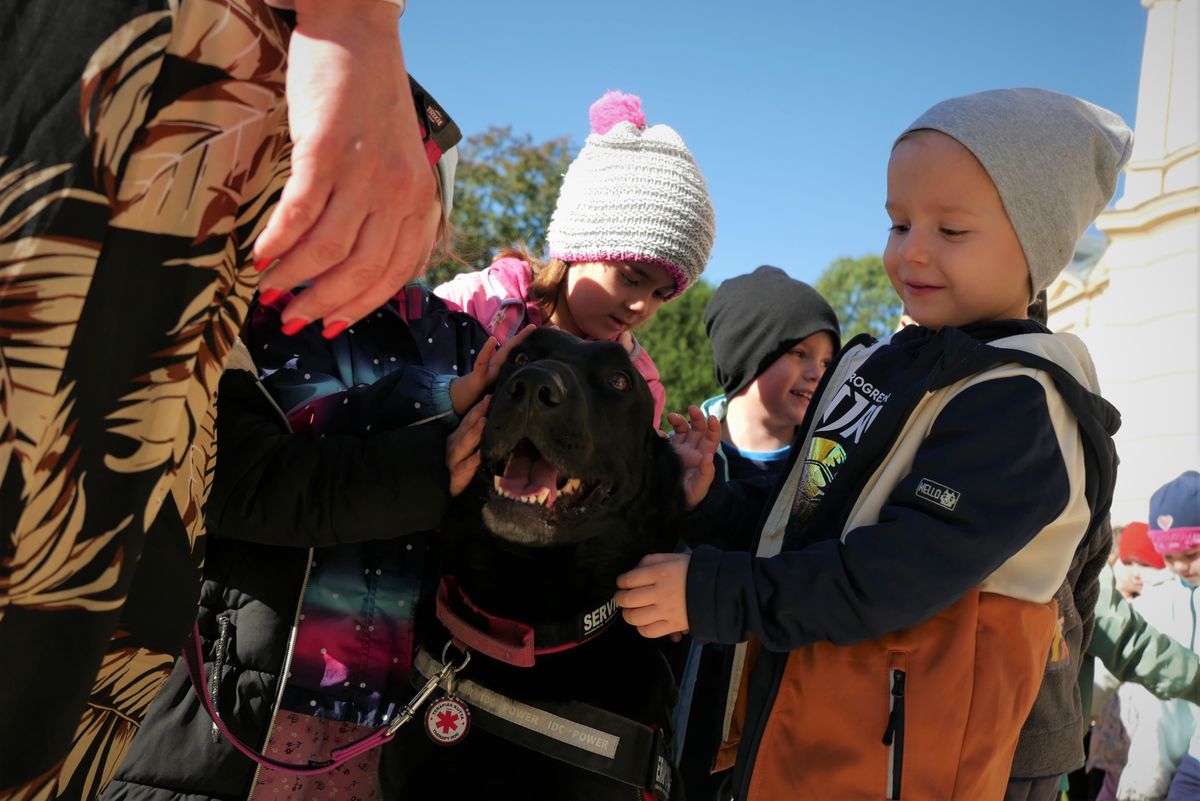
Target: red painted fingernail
[269, 296]
[262, 264]
[294, 326]
[334, 328]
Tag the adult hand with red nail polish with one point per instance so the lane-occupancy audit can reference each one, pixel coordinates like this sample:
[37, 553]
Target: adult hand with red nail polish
[359, 213]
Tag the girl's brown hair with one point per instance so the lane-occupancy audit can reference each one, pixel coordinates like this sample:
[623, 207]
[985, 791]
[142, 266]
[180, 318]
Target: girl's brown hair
[549, 280]
[444, 240]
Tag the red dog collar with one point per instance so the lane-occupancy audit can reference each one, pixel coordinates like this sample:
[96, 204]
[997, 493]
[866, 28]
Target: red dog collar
[512, 641]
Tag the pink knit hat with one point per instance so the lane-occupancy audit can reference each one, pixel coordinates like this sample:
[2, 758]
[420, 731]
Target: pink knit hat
[1175, 515]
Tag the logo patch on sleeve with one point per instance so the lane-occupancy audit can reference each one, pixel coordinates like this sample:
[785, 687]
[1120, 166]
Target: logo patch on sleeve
[940, 494]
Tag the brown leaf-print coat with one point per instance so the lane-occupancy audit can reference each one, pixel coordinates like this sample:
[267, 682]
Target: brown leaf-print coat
[142, 144]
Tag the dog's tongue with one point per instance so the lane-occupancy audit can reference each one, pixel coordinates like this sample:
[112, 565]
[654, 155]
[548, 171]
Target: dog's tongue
[528, 475]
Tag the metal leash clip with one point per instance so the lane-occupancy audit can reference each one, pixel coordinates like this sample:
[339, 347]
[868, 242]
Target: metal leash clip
[448, 719]
[447, 673]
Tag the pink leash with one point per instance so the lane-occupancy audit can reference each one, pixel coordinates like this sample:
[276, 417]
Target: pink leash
[193, 657]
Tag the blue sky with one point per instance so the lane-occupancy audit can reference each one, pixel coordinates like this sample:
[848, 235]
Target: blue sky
[790, 108]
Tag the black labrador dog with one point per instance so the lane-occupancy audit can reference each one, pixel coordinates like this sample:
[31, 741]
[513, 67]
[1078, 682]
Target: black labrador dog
[559, 698]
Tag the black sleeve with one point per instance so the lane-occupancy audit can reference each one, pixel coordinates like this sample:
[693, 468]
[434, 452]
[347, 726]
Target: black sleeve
[277, 488]
[728, 516]
[994, 443]
[323, 396]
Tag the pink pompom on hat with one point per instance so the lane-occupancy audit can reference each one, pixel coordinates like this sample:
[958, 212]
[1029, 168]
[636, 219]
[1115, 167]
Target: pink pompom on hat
[614, 107]
[1175, 515]
[634, 193]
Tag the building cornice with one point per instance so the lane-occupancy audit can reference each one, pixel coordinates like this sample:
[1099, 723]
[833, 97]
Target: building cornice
[1166, 162]
[1156, 210]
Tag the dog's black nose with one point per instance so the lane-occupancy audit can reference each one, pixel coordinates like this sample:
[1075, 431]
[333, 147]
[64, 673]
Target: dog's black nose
[545, 387]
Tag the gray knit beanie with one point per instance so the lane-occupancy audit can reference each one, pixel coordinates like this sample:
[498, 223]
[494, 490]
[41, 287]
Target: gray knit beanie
[1053, 158]
[634, 193]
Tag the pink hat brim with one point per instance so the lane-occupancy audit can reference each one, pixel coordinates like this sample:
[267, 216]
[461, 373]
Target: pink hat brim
[1176, 540]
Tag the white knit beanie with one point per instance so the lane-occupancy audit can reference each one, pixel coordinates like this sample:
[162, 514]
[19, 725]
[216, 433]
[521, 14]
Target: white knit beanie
[634, 193]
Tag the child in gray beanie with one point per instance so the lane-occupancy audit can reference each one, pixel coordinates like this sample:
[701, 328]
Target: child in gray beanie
[632, 228]
[1049, 159]
[913, 563]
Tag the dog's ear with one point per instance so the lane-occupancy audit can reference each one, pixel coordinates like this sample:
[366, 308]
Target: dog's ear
[665, 475]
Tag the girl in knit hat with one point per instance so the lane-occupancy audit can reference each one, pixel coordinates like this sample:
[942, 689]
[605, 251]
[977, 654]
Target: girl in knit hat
[633, 228]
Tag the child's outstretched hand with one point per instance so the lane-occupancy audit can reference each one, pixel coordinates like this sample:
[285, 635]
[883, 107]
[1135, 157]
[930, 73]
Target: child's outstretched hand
[462, 446]
[468, 389]
[653, 595]
[695, 442]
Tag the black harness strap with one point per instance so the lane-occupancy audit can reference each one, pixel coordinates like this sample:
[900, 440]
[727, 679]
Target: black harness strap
[576, 733]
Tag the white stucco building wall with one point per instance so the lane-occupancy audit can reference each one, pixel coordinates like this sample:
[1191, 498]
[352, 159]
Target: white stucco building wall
[1138, 306]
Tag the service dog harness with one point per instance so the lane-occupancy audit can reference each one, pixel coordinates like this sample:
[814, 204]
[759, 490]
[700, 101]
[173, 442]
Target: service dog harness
[579, 734]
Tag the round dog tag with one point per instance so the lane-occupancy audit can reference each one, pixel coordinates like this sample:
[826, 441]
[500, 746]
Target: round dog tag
[447, 720]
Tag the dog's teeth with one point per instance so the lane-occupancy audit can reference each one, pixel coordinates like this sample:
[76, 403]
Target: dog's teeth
[496, 484]
[542, 496]
[571, 486]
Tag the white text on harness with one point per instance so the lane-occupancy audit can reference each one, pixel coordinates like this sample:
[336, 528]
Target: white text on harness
[598, 617]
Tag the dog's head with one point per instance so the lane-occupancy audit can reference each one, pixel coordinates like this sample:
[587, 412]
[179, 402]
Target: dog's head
[568, 451]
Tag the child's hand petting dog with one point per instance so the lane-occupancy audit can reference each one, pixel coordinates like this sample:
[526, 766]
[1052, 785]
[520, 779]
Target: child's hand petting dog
[653, 595]
[467, 389]
[462, 446]
[695, 441]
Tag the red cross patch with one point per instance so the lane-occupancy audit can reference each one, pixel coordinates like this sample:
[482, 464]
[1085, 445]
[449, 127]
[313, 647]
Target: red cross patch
[447, 721]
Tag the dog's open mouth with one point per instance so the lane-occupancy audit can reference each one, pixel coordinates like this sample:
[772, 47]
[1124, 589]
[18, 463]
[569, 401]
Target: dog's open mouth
[526, 476]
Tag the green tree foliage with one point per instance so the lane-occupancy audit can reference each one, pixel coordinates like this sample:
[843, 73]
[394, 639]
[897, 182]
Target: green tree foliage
[861, 294]
[675, 339]
[504, 192]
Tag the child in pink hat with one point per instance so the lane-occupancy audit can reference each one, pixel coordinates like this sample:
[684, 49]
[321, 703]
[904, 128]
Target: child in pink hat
[1175, 524]
[1164, 739]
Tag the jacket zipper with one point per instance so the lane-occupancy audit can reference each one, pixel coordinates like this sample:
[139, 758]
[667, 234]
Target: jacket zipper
[1192, 606]
[893, 736]
[220, 652]
[286, 669]
[755, 730]
[756, 720]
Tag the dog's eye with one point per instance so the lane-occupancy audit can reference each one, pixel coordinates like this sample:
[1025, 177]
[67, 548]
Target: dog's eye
[619, 381]
[520, 358]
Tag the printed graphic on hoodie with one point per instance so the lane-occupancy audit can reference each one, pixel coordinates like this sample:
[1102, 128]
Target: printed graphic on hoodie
[855, 405]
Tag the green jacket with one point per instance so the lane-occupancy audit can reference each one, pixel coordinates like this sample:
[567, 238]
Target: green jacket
[1135, 651]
